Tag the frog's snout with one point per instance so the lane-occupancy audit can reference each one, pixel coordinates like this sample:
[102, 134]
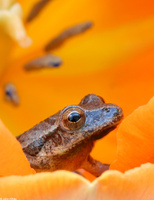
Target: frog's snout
[119, 112]
[113, 111]
[100, 122]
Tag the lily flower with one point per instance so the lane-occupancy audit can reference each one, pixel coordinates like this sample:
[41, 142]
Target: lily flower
[136, 183]
[114, 59]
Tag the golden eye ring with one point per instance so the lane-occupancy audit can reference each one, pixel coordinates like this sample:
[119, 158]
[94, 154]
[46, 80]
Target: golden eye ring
[73, 118]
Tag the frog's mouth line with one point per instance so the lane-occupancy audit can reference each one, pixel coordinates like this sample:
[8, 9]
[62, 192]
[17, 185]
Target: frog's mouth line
[104, 133]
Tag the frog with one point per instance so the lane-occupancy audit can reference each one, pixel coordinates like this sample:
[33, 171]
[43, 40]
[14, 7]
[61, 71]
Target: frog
[65, 140]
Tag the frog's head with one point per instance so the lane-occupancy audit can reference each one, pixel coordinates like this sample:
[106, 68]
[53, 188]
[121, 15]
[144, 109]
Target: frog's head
[92, 118]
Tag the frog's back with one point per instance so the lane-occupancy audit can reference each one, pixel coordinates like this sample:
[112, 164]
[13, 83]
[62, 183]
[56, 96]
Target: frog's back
[33, 139]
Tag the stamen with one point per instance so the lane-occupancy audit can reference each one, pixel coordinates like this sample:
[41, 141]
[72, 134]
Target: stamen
[46, 61]
[77, 29]
[36, 9]
[12, 23]
[11, 93]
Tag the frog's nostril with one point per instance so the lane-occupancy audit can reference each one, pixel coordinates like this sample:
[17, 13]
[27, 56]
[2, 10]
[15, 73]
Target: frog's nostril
[107, 109]
[112, 110]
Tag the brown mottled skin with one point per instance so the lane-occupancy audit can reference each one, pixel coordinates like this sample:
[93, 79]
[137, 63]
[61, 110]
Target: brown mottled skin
[60, 142]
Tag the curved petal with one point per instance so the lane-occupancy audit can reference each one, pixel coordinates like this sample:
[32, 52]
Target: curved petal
[135, 139]
[112, 185]
[44, 93]
[12, 158]
[105, 15]
[93, 50]
[56, 16]
[57, 185]
[134, 184]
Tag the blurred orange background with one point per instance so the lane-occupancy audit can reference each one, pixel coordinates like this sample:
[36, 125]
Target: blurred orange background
[113, 59]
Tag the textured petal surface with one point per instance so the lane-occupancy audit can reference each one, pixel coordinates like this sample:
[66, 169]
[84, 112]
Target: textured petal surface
[61, 185]
[114, 59]
[12, 158]
[135, 184]
[135, 139]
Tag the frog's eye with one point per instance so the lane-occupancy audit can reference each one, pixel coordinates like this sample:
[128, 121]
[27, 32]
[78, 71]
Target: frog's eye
[73, 118]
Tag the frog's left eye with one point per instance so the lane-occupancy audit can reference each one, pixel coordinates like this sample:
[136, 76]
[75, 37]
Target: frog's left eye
[73, 118]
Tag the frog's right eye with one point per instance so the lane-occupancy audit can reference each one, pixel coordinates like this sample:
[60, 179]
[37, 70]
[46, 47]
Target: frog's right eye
[73, 118]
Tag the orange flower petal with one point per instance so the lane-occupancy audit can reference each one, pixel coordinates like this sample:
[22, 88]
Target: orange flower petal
[84, 53]
[66, 185]
[135, 139]
[56, 16]
[134, 184]
[12, 158]
[43, 94]
[56, 185]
